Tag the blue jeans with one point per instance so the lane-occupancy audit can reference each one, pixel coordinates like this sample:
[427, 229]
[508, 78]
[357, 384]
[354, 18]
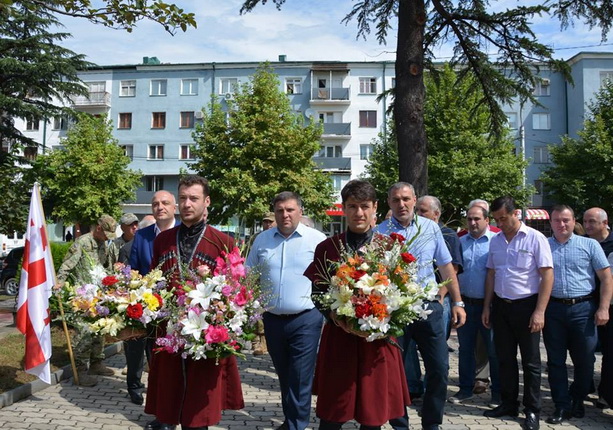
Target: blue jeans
[570, 328]
[429, 335]
[447, 315]
[467, 337]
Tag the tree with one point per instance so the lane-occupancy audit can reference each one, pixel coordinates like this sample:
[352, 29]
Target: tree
[256, 149]
[89, 176]
[498, 47]
[15, 195]
[582, 172]
[465, 161]
[120, 14]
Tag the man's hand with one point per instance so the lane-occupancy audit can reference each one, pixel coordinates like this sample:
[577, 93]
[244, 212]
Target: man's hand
[485, 317]
[601, 317]
[537, 321]
[458, 316]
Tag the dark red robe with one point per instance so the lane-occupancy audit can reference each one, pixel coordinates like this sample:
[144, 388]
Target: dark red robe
[184, 391]
[354, 379]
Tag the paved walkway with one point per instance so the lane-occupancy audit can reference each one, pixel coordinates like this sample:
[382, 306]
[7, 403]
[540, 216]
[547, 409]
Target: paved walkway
[106, 406]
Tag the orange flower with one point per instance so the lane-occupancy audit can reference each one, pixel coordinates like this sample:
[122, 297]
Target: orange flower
[379, 310]
[381, 278]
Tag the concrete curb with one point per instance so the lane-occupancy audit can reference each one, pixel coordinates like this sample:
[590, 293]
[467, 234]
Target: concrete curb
[9, 397]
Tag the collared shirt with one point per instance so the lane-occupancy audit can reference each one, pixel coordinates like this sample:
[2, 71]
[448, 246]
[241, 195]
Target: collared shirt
[428, 245]
[282, 262]
[575, 263]
[517, 262]
[474, 257]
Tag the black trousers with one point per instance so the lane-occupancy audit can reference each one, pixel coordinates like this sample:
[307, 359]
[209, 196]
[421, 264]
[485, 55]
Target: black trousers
[135, 350]
[511, 330]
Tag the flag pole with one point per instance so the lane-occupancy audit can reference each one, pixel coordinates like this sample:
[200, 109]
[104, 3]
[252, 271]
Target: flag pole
[75, 374]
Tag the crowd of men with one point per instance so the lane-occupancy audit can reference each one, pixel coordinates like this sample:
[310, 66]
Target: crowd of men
[503, 288]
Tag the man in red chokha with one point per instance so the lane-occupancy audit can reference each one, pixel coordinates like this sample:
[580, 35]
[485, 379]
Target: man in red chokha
[354, 379]
[181, 390]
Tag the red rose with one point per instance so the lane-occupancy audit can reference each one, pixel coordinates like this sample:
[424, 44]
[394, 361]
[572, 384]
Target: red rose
[109, 280]
[363, 309]
[160, 300]
[357, 274]
[397, 237]
[407, 257]
[135, 311]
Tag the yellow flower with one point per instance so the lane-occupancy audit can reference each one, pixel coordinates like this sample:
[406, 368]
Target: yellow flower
[151, 301]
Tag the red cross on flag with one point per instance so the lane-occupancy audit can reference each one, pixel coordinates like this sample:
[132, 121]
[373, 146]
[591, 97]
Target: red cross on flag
[37, 280]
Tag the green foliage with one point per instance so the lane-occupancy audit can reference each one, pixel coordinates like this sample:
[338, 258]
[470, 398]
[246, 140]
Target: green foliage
[58, 252]
[465, 162]
[89, 176]
[257, 148]
[15, 195]
[582, 173]
[121, 14]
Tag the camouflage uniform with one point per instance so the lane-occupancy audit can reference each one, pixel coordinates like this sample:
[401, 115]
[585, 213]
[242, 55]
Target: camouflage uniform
[85, 253]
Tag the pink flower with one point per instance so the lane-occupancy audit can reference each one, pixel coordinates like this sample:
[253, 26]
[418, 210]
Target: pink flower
[203, 270]
[230, 264]
[226, 290]
[216, 334]
[242, 297]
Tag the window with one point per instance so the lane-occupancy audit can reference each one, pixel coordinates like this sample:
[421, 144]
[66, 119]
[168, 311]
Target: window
[60, 123]
[606, 76]
[128, 151]
[541, 155]
[511, 120]
[337, 182]
[189, 87]
[228, 85]
[368, 118]
[187, 120]
[158, 120]
[538, 184]
[541, 121]
[158, 87]
[186, 152]
[334, 151]
[365, 151]
[542, 87]
[293, 85]
[393, 82]
[96, 87]
[368, 85]
[30, 152]
[125, 120]
[156, 152]
[154, 183]
[127, 89]
[32, 124]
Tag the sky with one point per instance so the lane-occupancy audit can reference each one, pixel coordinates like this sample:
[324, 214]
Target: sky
[303, 31]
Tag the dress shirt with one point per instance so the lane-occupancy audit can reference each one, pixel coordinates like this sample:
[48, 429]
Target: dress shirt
[474, 257]
[283, 261]
[575, 263]
[428, 247]
[517, 263]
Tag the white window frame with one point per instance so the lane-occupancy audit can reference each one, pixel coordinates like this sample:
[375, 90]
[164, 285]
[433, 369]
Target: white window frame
[189, 87]
[189, 148]
[154, 183]
[155, 152]
[60, 123]
[541, 121]
[541, 155]
[128, 151]
[368, 85]
[228, 85]
[158, 87]
[512, 120]
[542, 88]
[96, 87]
[293, 86]
[368, 114]
[32, 124]
[366, 150]
[127, 88]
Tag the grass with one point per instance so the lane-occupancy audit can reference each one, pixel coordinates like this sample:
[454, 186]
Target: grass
[12, 350]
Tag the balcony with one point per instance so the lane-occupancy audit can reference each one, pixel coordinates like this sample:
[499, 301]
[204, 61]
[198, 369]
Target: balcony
[330, 96]
[93, 100]
[333, 163]
[338, 130]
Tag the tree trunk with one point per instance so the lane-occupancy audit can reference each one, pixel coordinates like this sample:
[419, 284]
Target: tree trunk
[410, 95]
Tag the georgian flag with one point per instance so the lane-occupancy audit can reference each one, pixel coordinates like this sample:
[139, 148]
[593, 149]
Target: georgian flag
[37, 280]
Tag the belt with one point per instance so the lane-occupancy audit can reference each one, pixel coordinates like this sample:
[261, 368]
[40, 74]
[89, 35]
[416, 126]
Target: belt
[523, 299]
[471, 301]
[573, 300]
[290, 315]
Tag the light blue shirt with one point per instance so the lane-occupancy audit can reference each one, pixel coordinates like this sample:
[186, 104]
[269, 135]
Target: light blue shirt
[574, 266]
[474, 257]
[282, 262]
[427, 244]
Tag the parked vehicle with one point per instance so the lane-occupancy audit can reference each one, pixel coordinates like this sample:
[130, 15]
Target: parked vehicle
[8, 243]
[10, 268]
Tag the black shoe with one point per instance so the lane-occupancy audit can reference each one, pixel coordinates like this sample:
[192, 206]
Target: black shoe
[531, 422]
[558, 416]
[501, 411]
[166, 427]
[284, 426]
[136, 397]
[577, 409]
[156, 425]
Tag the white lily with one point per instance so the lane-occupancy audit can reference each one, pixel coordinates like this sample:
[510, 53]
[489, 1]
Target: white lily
[194, 324]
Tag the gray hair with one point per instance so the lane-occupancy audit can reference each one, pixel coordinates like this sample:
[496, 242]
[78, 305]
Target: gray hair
[479, 202]
[398, 186]
[434, 203]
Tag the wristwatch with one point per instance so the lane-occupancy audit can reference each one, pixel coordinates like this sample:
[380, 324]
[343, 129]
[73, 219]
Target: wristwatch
[460, 304]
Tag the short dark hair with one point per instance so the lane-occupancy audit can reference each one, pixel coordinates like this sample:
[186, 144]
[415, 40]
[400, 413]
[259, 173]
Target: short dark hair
[483, 211]
[399, 186]
[506, 202]
[189, 180]
[284, 196]
[560, 208]
[359, 190]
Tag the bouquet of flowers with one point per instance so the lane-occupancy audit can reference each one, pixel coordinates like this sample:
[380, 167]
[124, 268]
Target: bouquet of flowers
[376, 291]
[213, 312]
[118, 305]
